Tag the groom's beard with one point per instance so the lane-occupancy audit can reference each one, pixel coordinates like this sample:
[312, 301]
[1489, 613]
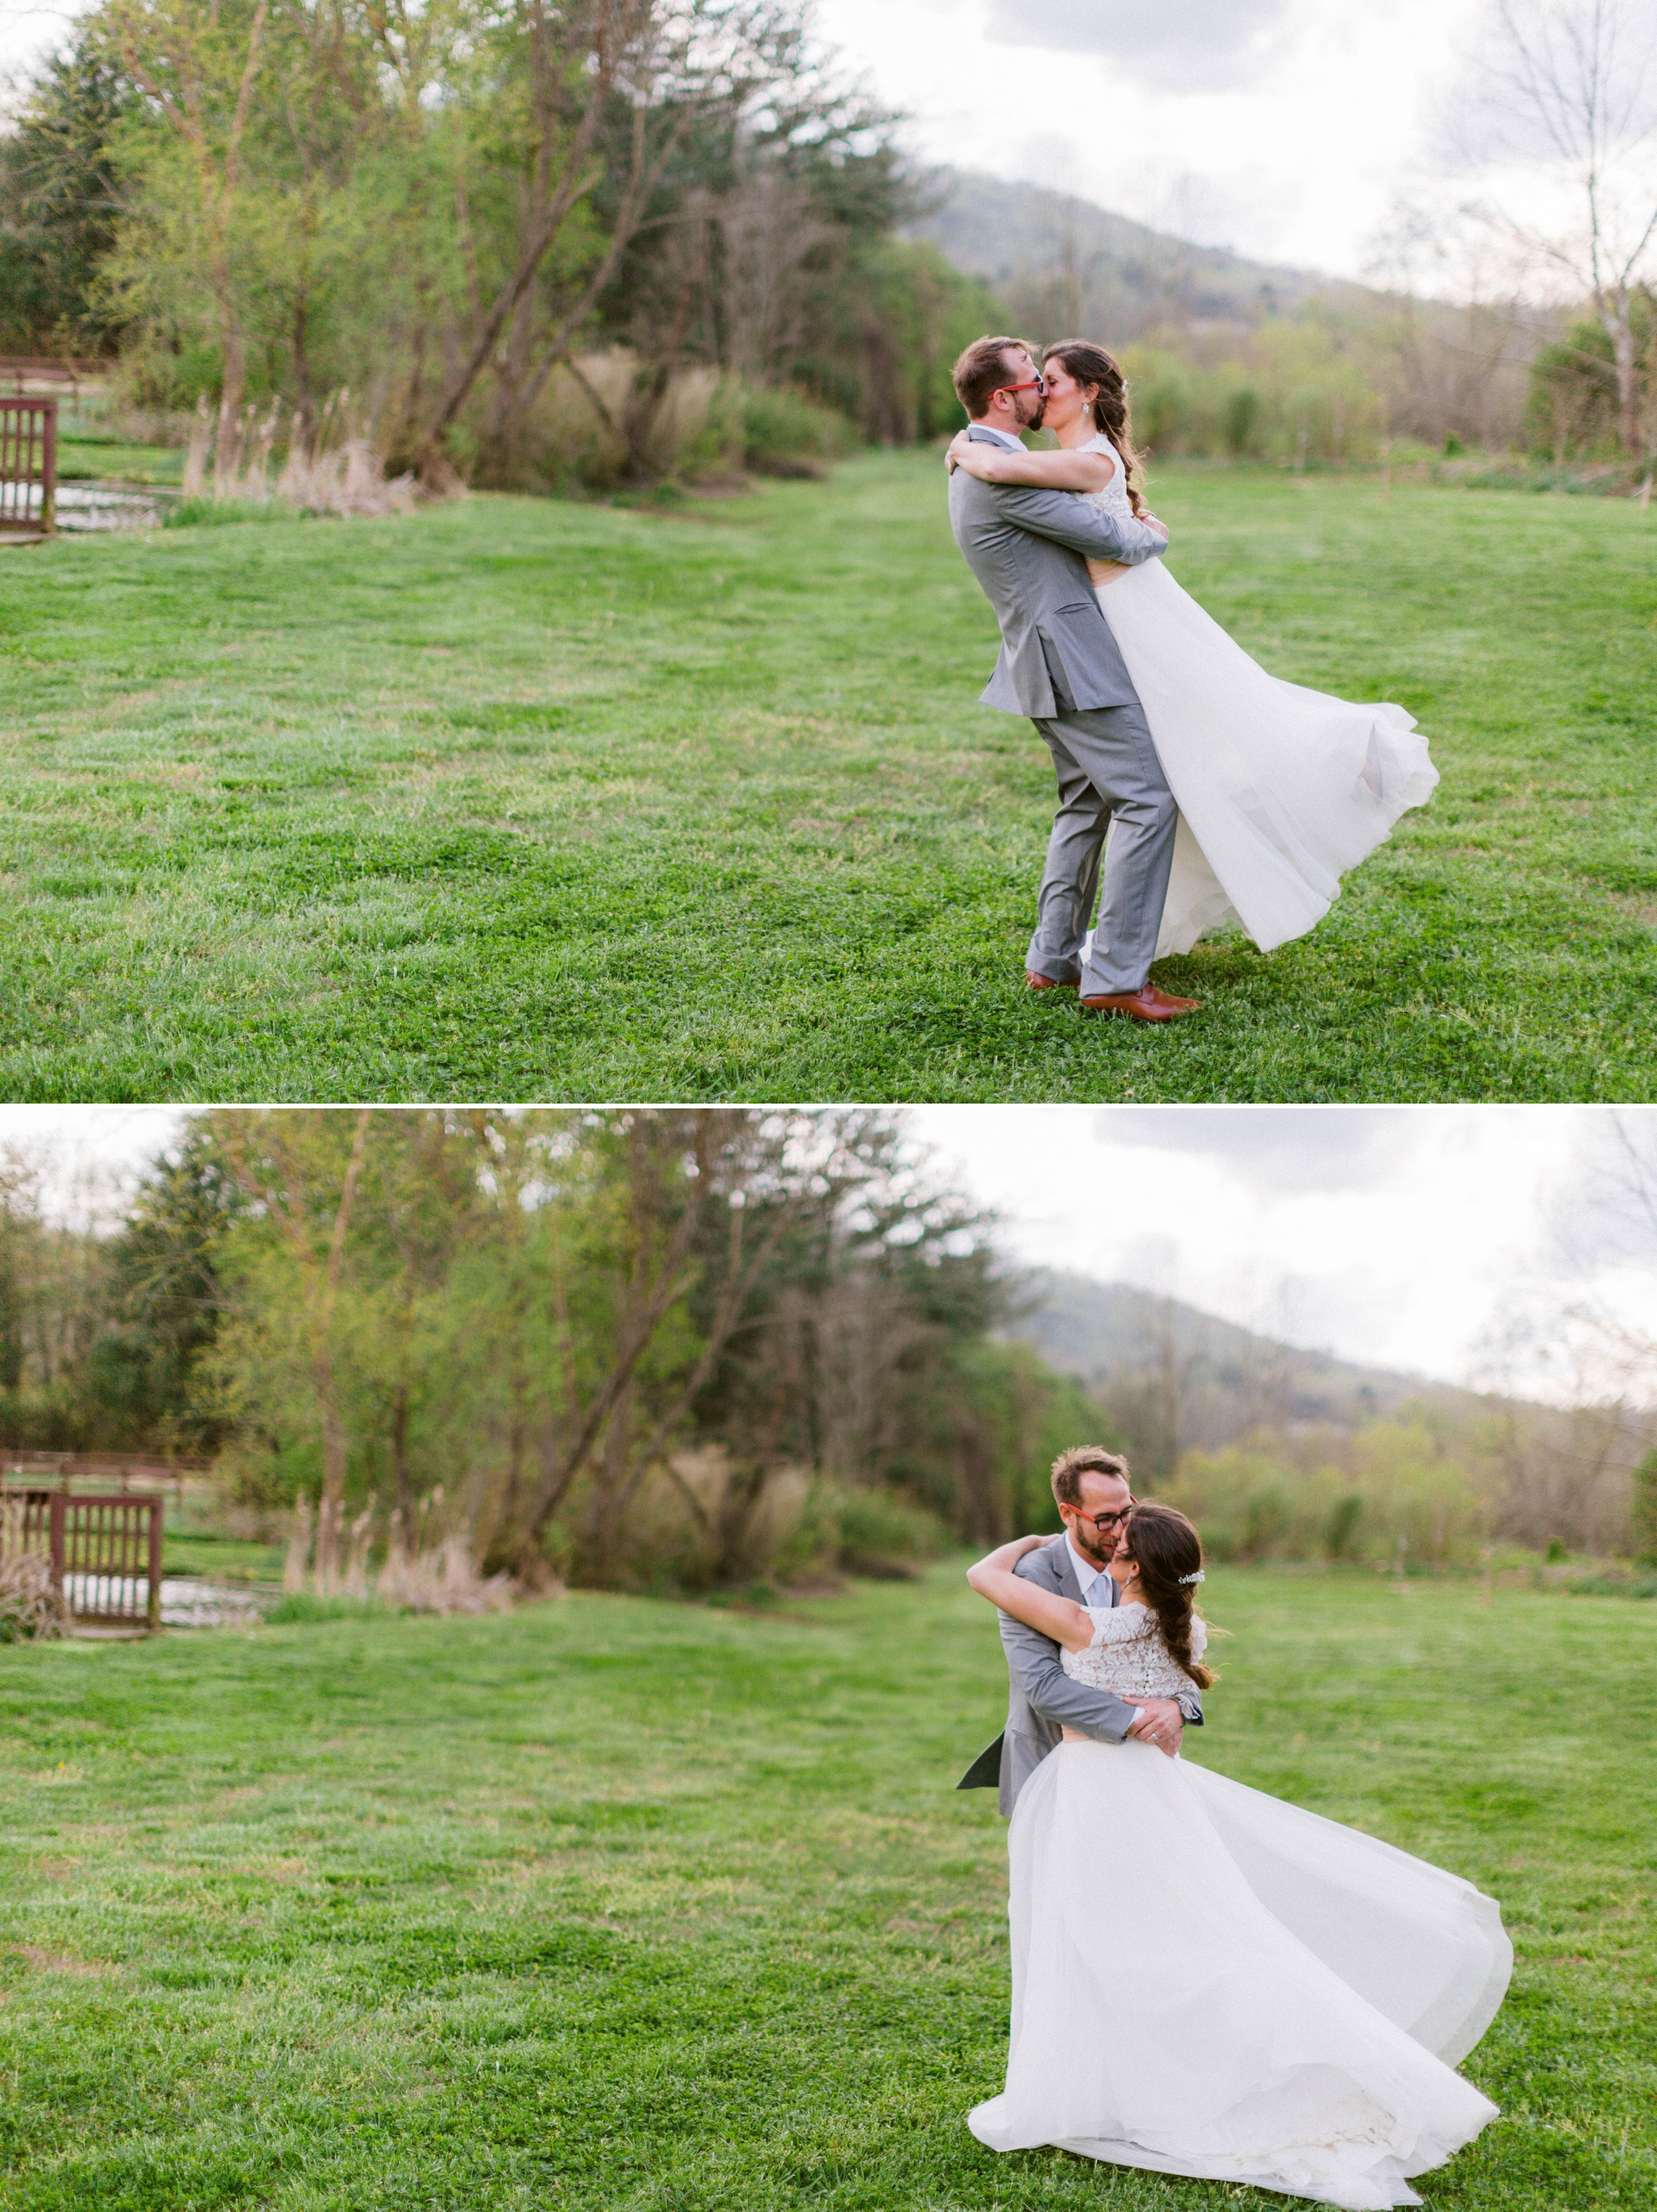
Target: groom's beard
[1087, 1550]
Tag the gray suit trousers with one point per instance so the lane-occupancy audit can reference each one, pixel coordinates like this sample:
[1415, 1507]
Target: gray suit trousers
[1108, 772]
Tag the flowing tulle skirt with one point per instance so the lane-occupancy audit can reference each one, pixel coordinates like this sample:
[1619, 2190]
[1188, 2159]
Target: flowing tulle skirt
[1208, 1981]
[1280, 790]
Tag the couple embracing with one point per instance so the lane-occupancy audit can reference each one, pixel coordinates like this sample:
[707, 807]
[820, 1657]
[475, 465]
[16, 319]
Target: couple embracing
[1204, 790]
[1206, 1980]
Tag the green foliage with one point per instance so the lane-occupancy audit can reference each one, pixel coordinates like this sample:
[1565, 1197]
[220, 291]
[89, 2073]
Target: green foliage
[720, 1305]
[1571, 406]
[1242, 414]
[1394, 1490]
[860, 1530]
[161, 1297]
[59, 203]
[881, 345]
[272, 210]
[613, 1903]
[1310, 387]
[1645, 1510]
[520, 800]
[782, 432]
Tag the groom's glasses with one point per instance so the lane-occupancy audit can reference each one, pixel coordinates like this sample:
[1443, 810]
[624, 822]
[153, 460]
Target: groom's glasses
[1104, 1521]
[1037, 384]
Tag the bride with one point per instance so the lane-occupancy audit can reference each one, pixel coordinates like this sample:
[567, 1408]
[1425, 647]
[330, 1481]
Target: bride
[1212, 1982]
[1280, 789]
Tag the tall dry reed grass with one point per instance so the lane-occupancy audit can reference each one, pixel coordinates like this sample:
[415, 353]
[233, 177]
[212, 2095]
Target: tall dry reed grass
[331, 468]
[427, 1567]
[32, 1605]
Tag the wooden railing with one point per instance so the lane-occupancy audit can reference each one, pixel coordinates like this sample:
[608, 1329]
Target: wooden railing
[100, 1470]
[20, 370]
[28, 467]
[105, 1551]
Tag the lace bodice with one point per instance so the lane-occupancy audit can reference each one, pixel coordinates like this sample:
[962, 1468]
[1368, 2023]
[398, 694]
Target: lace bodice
[1128, 1656]
[1114, 499]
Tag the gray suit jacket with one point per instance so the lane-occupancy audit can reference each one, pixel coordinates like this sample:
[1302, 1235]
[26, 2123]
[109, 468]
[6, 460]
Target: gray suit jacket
[1028, 548]
[1042, 1699]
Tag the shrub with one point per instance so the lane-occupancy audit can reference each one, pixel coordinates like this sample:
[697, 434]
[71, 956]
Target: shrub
[703, 424]
[1340, 1529]
[860, 1530]
[1351, 1497]
[784, 433]
[1645, 1511]
[1243, 413]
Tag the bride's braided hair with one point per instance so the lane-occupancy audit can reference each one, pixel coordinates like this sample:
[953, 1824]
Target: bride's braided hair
[1090, 364]
[1164, 1547]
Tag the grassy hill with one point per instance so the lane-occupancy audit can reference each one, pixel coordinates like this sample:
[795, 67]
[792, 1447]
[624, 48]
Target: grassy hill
[619, 1903]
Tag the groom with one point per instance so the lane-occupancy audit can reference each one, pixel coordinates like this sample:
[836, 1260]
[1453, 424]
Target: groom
[1060, 666]
[1090, 1487]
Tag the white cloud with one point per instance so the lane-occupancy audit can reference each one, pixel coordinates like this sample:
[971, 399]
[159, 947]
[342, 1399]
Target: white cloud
[1281, 1148]
[1179, 45]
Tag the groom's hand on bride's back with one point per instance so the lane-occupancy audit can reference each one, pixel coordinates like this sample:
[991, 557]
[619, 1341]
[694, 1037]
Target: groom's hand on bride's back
[1161, 1723]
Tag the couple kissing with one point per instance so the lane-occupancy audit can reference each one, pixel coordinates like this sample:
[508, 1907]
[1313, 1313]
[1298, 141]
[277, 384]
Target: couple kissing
[1201, 790]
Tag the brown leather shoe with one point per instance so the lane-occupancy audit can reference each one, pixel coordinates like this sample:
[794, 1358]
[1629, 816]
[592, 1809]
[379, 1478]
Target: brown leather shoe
[1149, 1005]
[1034, 980]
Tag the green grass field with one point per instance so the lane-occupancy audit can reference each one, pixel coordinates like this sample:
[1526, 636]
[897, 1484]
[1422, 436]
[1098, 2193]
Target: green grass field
[105, 458]
[616, 1902]
[518, 798]
[221, 1559]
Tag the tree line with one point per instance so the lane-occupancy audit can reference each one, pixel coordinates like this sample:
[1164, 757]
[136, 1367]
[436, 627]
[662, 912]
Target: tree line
[696, 1346]
[437, 212]
[619, 1346]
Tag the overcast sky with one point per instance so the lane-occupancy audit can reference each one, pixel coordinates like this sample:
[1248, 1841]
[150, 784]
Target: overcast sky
[1283, 128]
[1392, 1235]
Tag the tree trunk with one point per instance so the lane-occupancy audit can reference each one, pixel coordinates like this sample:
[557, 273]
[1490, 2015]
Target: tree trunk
[230, 392]
[1618, 320]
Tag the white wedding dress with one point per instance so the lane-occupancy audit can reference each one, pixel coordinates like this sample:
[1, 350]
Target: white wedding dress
[1280, 790]
[1208, 1981]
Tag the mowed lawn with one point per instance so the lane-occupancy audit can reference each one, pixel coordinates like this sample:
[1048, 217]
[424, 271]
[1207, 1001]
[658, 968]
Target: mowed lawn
[521, 798]
[624, 1903]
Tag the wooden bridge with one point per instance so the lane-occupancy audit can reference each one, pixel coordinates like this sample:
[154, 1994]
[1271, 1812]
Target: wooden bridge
[105, 1550]
[29, 469]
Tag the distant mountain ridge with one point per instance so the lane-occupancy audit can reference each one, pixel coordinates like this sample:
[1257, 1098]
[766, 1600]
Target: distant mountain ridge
[1173, 1379]
[1065, 266]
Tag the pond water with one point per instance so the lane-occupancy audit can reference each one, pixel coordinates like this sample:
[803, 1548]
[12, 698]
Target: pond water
[86, 506]
[187, 1601]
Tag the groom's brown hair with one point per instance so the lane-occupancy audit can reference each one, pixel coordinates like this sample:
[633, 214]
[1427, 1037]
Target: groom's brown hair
[981, 370]
[1083, 1459]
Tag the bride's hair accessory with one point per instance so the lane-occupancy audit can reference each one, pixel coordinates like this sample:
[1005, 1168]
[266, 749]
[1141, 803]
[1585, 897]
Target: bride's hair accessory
[1200, 1577]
